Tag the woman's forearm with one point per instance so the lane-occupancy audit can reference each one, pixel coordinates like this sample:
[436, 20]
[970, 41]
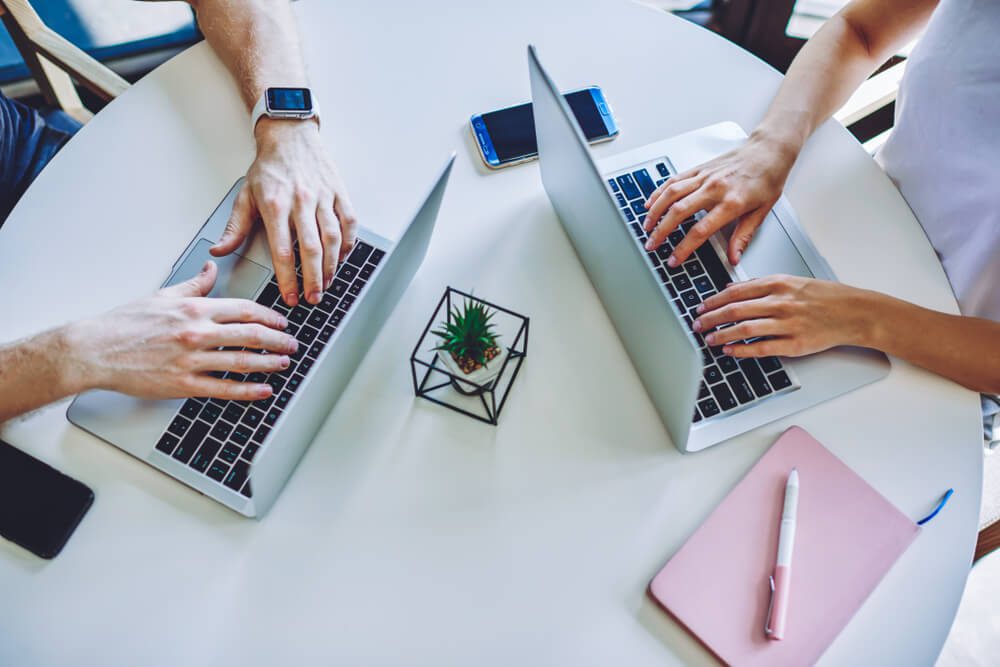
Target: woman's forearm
[963, 349]
[834, 62]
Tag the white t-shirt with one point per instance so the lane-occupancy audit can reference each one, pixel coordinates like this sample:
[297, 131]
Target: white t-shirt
[944, 152]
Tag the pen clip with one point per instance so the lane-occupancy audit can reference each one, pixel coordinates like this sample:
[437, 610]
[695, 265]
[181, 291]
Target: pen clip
[770, 607]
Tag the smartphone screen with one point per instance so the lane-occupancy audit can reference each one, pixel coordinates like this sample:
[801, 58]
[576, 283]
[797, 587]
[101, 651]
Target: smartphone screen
[512, 130]
[39, 506]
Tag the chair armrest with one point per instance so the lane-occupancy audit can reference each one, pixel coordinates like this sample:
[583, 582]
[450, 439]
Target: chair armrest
[88, 71]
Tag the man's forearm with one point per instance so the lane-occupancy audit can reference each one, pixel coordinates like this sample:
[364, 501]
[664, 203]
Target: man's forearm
[36, 371]
[963, 349]
[258, 42]
[835, 61]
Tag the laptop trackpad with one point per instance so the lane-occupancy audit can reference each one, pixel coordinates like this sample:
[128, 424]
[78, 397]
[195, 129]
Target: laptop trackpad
[771, 252]
[239, 277]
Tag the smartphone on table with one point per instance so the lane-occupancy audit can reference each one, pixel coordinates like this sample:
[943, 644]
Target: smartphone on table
[507, 136]
[40, 507]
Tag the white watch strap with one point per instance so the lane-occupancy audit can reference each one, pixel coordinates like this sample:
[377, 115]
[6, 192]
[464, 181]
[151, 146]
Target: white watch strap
[260, 110]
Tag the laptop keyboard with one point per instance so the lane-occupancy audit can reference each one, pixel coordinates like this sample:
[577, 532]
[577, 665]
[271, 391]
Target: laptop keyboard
[219, 438]
[728, 384]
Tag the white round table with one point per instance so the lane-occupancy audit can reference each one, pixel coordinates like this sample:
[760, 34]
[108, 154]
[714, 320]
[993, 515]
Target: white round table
[411, 534]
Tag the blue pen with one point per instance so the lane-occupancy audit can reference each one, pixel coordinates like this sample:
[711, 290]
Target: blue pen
[940, 505]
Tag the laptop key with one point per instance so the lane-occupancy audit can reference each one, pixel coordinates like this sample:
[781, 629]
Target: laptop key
[703, 284]
[233, 413]
[347, 272]
[694, 268]
[780, 380]
[661, 168]
[628, 186]
[293, 383]
[712, 374]
[629, 215]
[252, 417]
[337, 316]
[317, 319]
[346, 302]
[307, 363]
[356, 287]
[269, 295]
[769, 364]
[682, 283]
[203, 457]
[241, 435]
[338, 288]
[250, 450]
[258, 436]
[637, 206]
[614, 185]
[377, 256]
[191, 408]
[760, 385]
[210, 412]
[272, 416]
[622, 202]
[367, 271]
[179, 426]
[675, 237]
[217, 470]
[703, 391]
[644, 182]
[222, 431]
[191, 441]
[727, 364]
[167, 443]
[246, 490]
[230, 452]
[359, 254]
[740, 388]
[708, 407]
[307, 335]
[724, 396]
[238, 475]
[713, 265]
[690, 298]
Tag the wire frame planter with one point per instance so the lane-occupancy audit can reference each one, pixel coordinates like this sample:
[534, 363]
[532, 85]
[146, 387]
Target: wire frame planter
[435, 382]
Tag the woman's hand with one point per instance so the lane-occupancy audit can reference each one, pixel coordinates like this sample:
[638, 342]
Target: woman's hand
[166, 346]
[741, 185]
[798, 316]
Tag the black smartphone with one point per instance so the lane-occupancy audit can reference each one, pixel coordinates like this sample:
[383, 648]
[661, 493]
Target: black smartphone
[507, 136]
[39, 506]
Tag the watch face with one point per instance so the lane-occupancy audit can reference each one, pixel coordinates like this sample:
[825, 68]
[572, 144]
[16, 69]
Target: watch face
[295, 100]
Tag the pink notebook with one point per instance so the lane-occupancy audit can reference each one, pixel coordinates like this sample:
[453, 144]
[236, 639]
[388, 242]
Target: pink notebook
[847, 538]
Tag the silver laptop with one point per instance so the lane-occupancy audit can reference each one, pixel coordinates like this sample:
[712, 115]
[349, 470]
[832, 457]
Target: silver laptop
[703, 396]
[242, 453]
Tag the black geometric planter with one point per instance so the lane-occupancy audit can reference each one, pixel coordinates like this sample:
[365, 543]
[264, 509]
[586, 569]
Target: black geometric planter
[435, 382]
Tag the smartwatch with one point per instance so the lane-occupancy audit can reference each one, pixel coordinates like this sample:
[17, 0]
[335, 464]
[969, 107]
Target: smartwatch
[284, 103]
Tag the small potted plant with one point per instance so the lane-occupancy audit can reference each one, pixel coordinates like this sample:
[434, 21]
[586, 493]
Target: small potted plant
[469, 348]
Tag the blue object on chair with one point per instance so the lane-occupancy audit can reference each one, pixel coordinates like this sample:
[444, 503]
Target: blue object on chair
[106, 29]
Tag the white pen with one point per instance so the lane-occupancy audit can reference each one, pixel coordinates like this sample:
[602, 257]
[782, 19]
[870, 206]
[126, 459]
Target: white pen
[781, 581]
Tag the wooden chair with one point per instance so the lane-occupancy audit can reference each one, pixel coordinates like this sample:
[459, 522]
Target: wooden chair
[55, 63]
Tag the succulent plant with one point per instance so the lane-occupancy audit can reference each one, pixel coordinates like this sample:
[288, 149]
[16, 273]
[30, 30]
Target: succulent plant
[469, 335]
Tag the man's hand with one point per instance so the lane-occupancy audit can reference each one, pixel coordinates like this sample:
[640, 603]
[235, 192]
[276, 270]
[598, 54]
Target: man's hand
[165, 346]
[798, 316]
[295, 189]
[743, 185]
